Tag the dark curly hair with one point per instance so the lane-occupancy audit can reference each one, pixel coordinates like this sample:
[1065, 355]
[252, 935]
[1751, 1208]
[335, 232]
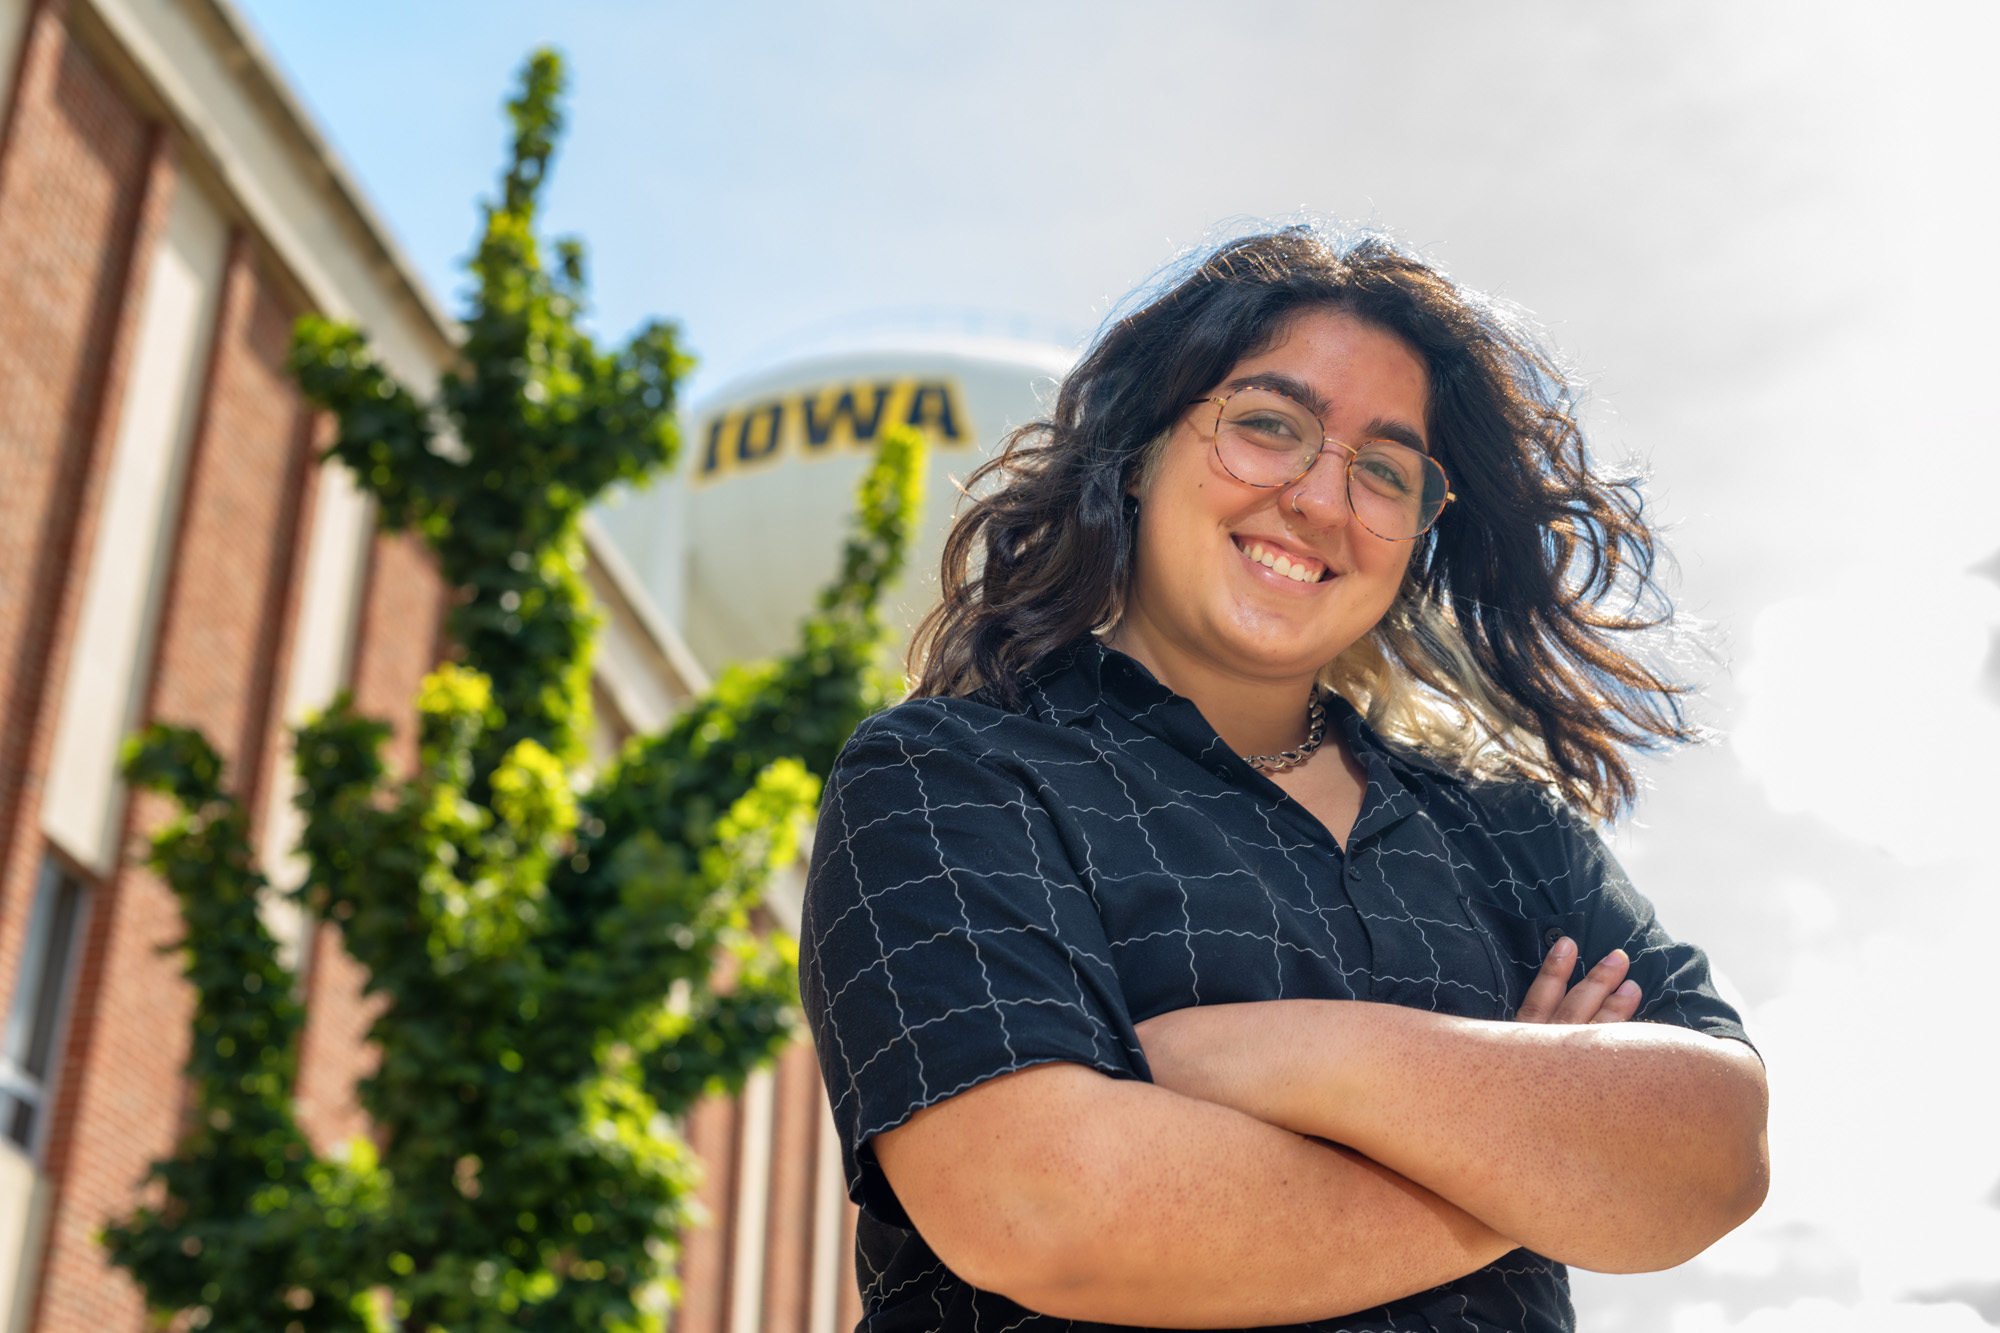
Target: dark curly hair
[1512, 645]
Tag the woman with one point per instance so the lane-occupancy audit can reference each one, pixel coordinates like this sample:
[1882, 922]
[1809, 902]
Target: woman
[1201, 945]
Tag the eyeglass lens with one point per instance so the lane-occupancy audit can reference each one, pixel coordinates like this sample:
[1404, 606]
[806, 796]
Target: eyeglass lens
[1266, 439]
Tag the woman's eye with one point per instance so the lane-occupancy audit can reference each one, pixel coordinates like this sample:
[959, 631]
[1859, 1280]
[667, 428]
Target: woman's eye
[1276, 427]
[1382, 470]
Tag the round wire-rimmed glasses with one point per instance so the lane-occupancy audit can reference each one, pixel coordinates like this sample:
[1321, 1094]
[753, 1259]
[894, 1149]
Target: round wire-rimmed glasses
[1267, 439]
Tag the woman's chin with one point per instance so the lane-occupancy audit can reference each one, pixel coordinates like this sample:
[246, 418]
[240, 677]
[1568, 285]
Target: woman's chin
[1280, 651]
[1316, 631]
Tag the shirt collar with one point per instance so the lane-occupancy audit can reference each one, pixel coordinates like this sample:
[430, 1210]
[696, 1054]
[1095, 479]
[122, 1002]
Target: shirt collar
[1074, 683]
[1391, 796]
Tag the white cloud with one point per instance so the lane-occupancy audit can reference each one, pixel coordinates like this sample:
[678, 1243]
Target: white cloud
[1883, 1160]
[1819, 1315]
[1863, 707]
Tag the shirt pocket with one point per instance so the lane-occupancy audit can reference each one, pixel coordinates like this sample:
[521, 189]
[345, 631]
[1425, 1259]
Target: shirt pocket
[1519, 943]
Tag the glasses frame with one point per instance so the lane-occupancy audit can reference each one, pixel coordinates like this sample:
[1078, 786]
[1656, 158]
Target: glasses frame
[1312, 460]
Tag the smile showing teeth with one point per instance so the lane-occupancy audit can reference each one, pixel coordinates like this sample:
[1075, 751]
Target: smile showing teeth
[1306, 571]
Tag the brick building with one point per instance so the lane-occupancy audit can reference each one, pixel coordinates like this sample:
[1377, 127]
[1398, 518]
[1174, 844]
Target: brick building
[170, 550]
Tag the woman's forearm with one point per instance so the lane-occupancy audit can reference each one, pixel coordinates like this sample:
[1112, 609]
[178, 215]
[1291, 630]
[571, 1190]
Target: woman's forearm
[1120, 1202]
[1618, 1147]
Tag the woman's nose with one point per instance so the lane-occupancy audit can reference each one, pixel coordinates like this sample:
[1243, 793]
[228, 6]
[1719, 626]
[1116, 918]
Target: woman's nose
[1319, 498]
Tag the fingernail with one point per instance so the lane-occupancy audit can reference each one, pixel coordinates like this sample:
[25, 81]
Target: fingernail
[1615, 954]
[1628, 989]
[1563, 948]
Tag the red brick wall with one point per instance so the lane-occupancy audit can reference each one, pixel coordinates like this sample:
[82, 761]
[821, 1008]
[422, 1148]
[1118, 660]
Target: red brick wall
[712, 1129]
[398, 643]
[334, 1053]
[788, 1242]
[223, 639]
[708, 1251]
[84, 185]
[120, 1101]
[222, 632]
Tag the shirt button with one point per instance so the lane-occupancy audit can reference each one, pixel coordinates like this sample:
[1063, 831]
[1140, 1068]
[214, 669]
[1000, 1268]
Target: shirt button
[1354, 872]
[1551, 935]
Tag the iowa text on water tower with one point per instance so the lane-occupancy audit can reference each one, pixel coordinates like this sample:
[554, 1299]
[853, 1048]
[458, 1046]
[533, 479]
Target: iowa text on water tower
[818, 423]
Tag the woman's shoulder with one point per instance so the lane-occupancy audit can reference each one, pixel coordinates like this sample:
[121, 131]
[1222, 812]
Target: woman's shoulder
[1503, 804]
[1471, 790]
[929, 723]
[977, 740]
[1527, 823]
[941, 730]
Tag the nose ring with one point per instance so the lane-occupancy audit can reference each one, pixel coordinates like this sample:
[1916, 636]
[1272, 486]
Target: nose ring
[1295, 504]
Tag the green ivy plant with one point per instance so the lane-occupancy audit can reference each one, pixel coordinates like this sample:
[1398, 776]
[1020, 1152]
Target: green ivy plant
[567, 965]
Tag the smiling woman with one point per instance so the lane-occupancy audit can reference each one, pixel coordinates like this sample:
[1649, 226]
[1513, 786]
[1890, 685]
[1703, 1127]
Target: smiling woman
[1323, 576]
[1202, 946]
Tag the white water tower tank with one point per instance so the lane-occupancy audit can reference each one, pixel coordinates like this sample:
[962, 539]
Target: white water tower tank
[736, 545]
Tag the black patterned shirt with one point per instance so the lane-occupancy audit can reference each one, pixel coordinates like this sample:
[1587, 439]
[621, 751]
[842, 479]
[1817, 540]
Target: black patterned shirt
[995, 889]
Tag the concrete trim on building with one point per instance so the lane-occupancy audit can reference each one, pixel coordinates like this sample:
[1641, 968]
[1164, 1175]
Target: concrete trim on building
[82, 805]
[641, 659]
[216, 88]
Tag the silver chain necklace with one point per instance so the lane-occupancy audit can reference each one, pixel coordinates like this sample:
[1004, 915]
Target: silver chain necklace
[1289, 759]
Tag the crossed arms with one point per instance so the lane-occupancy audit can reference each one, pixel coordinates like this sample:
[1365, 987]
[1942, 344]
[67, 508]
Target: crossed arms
[1302, 1159]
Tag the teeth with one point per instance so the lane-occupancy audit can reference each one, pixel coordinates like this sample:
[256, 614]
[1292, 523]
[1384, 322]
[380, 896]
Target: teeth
[1281, 564]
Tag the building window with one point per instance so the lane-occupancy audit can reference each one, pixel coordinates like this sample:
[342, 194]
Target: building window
[34, 1022]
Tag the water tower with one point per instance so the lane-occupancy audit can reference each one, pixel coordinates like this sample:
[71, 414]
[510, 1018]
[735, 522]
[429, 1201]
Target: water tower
[734, 546]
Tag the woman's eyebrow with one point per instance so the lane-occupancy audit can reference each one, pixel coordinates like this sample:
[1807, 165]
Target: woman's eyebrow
[1397, 432]
[1277, 382]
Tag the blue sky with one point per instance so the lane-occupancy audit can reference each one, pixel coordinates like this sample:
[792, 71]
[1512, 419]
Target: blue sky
[1762, 231]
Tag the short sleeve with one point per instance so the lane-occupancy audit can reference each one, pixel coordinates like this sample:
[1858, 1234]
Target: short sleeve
[946, 938]
[1673, 977]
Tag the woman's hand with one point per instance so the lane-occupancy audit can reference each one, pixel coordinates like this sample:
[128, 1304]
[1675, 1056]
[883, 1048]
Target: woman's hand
[1603, 996]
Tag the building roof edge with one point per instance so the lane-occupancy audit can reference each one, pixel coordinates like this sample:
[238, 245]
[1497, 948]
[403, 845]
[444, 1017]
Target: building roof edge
[245, 55]
[609, 561]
